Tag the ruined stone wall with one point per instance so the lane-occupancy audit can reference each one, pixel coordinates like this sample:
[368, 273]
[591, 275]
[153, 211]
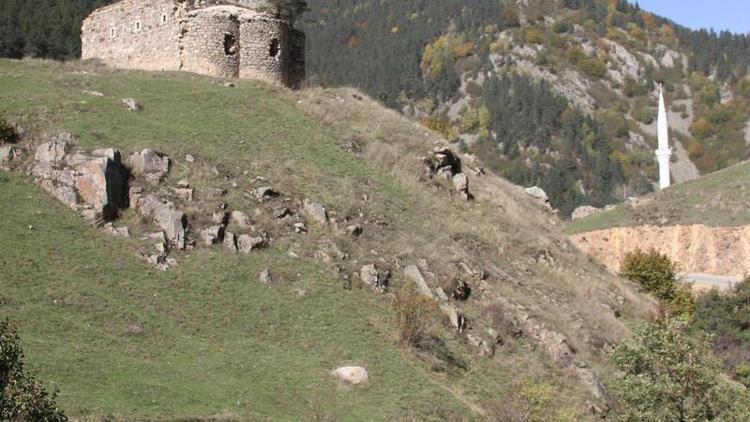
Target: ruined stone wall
[271, 51]
[222, 38]
[134, 34]
[211, 43]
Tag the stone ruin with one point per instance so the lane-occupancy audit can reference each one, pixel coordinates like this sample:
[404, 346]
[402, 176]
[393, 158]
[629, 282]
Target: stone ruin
[252, 39]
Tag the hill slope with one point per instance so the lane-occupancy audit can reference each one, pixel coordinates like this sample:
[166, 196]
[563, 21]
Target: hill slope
[120, 338]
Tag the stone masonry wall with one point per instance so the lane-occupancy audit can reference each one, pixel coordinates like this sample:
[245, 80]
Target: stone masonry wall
[221, 38]
[134, 34]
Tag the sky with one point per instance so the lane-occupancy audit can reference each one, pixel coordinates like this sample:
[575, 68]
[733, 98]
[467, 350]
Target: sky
[732, 15]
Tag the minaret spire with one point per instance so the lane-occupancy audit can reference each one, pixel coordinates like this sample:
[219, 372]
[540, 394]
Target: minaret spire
[663, 153]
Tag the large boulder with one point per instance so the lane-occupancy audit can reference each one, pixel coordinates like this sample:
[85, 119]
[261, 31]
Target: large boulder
[584, 211]
[169, 219]
[8, 153]
[354, 375]
[151, 166]
[247, 243]
[538, 193]
[316, 211]
[52, 152]
[412, 273]
[102, 183]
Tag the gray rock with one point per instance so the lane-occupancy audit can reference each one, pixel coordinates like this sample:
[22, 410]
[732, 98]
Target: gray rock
[265, 277]
[316, 211]
[583, 212]
[230, 241]
[537, 193]
[8, 153]
[247, 243]
[266, 193]
[166, 217]
[376, 278]
[185, 194]
[131, 104]
[190, 158]
[220, 217]
[135, 194]
[109, 153]
[63, 193]
[149, 165]
[212, 235]
[116, 231]
[241, 219]
[354, 375]
[300, 228]
[102, 184]
[51, 152]
[456, 319]
[412, 273]
[354, 230]
[184, 184]
[282, 213]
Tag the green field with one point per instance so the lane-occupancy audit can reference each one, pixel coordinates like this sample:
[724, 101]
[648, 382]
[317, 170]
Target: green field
[123, 341]
[717, 200]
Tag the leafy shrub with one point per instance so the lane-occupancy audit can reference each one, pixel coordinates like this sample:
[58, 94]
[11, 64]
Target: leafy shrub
[21, 396]
[7, 132]
[534, 36]
[669, 375]
[561, 27]
[632, 88]
[414, 314]
[657, 275]
[593, 66]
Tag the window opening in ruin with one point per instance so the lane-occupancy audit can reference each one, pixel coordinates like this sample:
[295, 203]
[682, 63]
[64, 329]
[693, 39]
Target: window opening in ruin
[274, 49]
[137, 26]
[230, 44]
[163, 18]
[112, 33]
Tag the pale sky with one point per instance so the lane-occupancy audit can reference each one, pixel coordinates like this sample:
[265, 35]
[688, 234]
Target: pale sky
[732, 15]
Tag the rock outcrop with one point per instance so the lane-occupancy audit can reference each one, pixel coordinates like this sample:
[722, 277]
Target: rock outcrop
[583, 212]
[94, 184]
[149, 165]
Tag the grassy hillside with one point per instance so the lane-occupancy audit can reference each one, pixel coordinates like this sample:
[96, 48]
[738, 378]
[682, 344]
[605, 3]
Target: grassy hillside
[123, 340]
[717, 200]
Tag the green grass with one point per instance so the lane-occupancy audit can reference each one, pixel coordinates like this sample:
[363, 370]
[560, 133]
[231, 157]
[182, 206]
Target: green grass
[716, 200]
[214, 339]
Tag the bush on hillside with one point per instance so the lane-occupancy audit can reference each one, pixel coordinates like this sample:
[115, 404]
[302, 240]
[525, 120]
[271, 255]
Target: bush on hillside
[726, 317]
[22, 398]
[415, 315]
[657, 275]
[669, 375]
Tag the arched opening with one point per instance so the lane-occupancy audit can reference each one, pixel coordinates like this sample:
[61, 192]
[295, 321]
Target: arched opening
[274, 49]
[230, 45]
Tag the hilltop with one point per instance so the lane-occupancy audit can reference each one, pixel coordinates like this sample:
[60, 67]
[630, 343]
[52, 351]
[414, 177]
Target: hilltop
[120, 338]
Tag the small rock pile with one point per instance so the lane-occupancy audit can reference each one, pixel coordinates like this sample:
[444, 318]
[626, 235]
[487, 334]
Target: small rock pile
[443, 163]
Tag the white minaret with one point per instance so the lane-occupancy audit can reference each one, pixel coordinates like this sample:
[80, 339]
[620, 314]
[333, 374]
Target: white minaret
[663, 153]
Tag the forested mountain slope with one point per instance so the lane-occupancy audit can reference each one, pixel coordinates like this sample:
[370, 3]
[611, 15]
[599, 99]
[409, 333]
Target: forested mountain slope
[548, 92]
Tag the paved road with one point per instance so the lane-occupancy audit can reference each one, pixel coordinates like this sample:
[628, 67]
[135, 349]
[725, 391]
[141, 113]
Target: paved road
[710, 280]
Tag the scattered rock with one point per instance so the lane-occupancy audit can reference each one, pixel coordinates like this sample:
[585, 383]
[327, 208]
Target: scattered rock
[461, 183]
[412, 273]
[584, 211]
[300, 228]
[131, 104]
[247, 243]
[228, 84]
[486, 349]
[212, 235]
[149, 165]
[457, 320]
[183, 184]
[375, 278]
[7, 154]
[116, 231]
[461, 290]
[190, 158]
[442, 161]
[316, 211]
[165, 215]
[220, 217]
[265, 277]
[538, 193]
[230, 241]
[266, 193]
[354, 230]
[241, 219]
[354, 375]
[184, 194]
[93, 93]
[281, 213]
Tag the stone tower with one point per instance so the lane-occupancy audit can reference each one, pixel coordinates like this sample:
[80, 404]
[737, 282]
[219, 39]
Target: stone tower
[663, 152]
[221, 38]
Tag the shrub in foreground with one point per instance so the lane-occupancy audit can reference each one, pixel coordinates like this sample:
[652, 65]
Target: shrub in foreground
[657, 275]
[22, 398]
